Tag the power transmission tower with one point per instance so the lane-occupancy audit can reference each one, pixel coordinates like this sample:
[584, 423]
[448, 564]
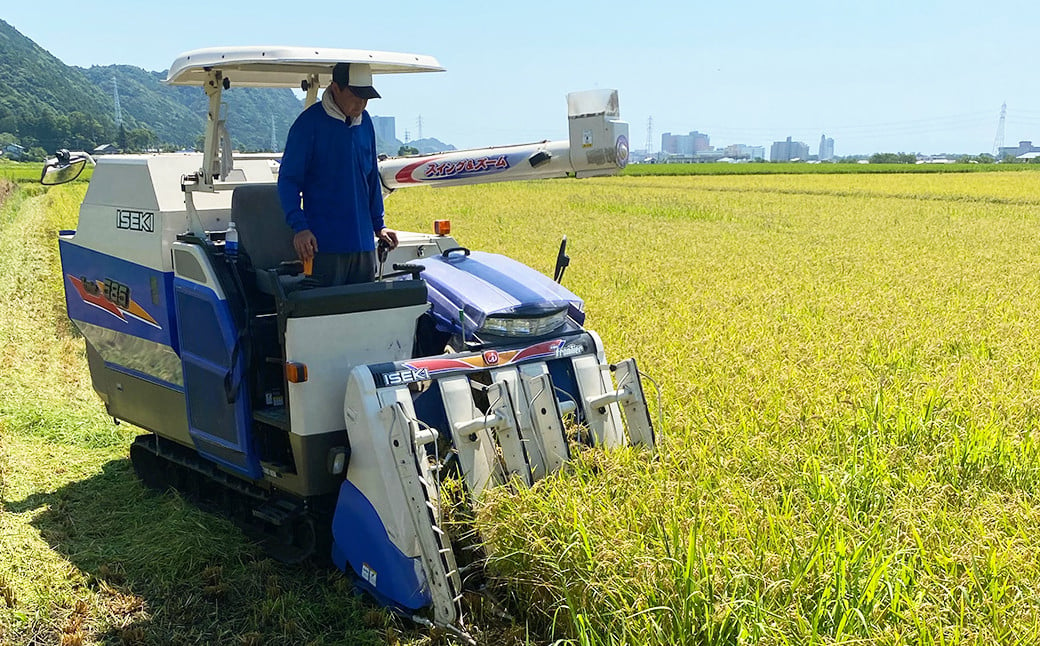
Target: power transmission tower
[649, 135]
[419, 127]
[998, 141]
[406, 134]
[119, 110]
[274, 142]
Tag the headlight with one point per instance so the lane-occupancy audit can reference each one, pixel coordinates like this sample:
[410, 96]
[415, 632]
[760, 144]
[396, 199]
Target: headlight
[515, 325]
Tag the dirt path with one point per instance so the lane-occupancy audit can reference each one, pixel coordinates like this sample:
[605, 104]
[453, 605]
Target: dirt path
[6, 188]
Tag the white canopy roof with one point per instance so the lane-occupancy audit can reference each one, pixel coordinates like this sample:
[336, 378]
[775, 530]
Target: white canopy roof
[287, 66]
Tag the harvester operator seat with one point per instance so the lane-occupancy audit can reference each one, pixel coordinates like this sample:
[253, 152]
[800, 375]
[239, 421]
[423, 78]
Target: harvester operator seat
[265, 238]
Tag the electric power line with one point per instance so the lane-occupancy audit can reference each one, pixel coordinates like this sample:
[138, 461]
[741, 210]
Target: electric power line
[119, 110]
[998, 141]
[650, 135]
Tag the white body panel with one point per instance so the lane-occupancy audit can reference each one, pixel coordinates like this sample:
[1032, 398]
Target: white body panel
[415, 247]
[371, 460]
[538, 417]
[331, 346]
[473, 440]
[503, 410]
[594, 381]
[191, 264]
[286, 66]
[389, 467]
[546, 420]
[134, 207]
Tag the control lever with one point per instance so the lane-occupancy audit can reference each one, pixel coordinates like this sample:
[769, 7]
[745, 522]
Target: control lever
[382, 251]
[414, 270]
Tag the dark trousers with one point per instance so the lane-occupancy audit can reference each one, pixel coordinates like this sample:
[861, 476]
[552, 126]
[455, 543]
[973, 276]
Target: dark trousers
[344, 268]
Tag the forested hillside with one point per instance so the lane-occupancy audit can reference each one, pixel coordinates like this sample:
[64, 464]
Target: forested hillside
[176, 115]
[46, 104]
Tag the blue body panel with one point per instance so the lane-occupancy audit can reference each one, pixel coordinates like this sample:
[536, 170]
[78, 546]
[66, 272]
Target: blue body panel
[485, 284]
[124, 311]
[150, 290]
[359, 541]
[219, 411]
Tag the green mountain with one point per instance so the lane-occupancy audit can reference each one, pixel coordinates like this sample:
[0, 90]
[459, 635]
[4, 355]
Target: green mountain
[46, 105]
[177, 114]
[43, 101]
[143, 100]
[429, 145]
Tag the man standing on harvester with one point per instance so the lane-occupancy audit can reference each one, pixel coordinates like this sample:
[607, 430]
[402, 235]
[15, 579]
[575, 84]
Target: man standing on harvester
[330, 161]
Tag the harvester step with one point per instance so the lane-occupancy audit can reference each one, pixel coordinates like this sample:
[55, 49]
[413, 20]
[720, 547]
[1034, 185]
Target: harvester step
[276, 416]
[277, 512]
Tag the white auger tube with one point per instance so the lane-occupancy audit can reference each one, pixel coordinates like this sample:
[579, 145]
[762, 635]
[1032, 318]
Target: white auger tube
[597, 145]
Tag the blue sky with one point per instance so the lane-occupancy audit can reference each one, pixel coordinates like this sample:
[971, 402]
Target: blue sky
[880, 75]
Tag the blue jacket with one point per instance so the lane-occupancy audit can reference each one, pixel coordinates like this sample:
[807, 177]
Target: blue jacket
[333, 166]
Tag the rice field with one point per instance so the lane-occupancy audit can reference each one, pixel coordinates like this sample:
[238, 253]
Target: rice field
[20, 172]
[826, 168]
[849, 450]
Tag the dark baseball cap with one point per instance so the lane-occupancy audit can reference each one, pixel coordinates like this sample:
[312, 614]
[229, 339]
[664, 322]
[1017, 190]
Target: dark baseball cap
[357, 77]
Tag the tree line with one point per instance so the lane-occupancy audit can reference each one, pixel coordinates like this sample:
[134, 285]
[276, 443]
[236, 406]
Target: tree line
[42, 132]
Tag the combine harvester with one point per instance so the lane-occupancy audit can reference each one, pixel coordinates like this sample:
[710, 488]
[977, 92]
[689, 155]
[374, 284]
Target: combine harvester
[328, 417]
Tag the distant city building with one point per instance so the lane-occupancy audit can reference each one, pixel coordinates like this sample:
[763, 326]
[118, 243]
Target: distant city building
[743, 151]
[826, 148]
[669, 143]
[788, 150]
[685, 145]
[701, 142]
[1023, 148]
[386, 128]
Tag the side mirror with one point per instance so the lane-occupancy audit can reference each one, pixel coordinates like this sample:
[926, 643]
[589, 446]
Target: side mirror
[64, 167]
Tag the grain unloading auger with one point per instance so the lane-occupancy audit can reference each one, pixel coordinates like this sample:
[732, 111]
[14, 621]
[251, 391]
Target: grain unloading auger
[326, 418]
